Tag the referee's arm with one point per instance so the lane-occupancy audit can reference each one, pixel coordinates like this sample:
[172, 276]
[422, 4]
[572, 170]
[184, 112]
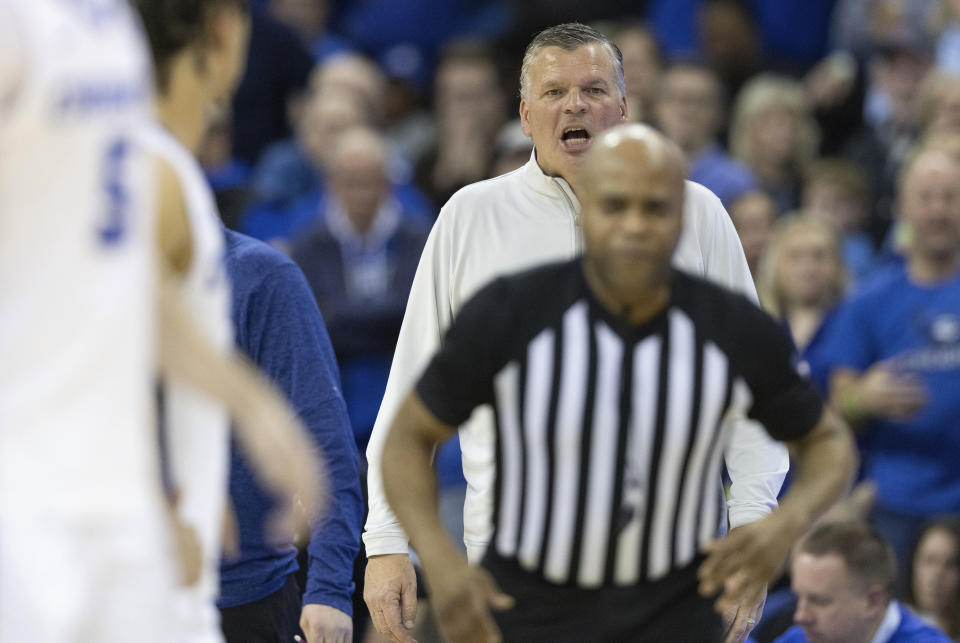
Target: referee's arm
[745, 560]
[462, 595]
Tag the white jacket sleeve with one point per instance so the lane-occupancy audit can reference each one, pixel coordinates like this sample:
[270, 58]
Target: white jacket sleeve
[757, 463]
[13, 64]
[427, 316]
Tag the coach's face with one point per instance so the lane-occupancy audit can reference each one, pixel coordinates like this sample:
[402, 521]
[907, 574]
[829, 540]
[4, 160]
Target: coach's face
[571, 97]
[632, 211]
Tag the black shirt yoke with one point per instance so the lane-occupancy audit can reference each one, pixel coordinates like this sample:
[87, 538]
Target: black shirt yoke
[610, 438]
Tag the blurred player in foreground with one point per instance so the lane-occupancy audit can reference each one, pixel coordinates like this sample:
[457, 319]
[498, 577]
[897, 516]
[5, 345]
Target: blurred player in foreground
[80, 497]
[199, 49]
[611, 375]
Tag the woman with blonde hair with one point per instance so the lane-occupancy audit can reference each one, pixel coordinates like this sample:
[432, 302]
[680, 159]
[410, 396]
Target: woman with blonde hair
[773, 132]
[801, 280]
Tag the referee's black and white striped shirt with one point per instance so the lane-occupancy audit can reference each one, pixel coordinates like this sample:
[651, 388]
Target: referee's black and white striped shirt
[609, 436]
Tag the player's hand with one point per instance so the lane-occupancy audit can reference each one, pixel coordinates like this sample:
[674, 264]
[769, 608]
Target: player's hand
[325, 624]
[390, 592]
[229, 532]
[739, 620]
[742, 564]
[463, 597]
[284, 456]
[186, 546]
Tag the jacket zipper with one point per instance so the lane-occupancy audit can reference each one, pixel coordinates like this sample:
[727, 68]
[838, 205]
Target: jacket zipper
[577, 234]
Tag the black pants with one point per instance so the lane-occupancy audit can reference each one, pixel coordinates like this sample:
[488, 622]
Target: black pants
[274, 619]
[667, 610]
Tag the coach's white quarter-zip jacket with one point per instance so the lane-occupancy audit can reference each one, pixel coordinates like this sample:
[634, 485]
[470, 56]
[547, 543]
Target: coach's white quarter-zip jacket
[511, 223]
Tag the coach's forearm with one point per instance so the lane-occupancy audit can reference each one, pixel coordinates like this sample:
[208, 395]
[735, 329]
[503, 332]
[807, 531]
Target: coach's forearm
[826, 459]
[411, 484]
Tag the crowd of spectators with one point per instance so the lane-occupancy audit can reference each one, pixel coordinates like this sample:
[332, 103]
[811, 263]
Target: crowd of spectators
[356, 121]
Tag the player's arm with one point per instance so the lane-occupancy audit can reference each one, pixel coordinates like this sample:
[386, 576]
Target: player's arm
[174, 239]
[462, 595]
[275, 441]
[272, 436]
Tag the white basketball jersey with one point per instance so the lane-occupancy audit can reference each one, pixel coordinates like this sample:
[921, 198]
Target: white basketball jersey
[197, 427]
[76, 260]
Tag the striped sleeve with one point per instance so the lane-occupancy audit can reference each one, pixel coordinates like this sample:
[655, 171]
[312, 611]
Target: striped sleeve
[787, 404]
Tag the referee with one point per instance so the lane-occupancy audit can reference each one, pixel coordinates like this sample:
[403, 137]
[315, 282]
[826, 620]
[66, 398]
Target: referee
[610, 376]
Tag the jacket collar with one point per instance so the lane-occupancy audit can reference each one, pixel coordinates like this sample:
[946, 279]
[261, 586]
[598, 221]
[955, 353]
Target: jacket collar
[554, 187]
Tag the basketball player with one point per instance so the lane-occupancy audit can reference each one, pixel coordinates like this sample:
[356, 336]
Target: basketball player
[80, 503]
[84, 553]
[199, 49]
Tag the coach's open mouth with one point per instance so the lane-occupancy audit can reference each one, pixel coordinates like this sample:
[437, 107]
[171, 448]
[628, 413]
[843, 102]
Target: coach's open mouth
[575, 139]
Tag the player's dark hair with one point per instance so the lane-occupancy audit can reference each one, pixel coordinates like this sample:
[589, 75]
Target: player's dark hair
[867, 556]
[172, 25]
[569, 37]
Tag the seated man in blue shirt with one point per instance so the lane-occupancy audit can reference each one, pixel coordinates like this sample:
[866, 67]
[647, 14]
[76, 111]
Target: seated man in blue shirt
[843, 576]
[279, 326]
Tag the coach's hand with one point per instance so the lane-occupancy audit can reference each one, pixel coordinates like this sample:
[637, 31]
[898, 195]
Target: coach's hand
[741, 564]
[463, 597]
[390, 592]
[325, 624]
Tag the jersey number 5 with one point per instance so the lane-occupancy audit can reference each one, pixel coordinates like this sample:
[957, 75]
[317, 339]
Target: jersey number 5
[114, 228]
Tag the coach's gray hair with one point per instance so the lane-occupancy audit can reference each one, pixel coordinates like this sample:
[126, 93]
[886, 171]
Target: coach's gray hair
[569, 36]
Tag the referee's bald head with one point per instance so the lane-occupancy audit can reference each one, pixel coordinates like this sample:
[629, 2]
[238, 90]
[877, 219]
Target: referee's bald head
[635, 141]
[632, 209]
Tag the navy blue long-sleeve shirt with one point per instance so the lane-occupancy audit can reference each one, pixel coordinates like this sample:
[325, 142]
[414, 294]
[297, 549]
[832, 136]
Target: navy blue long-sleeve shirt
[279, 326]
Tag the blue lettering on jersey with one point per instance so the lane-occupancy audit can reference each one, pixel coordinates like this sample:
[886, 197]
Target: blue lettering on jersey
[92, 96]
[97, 12]
[114, 229]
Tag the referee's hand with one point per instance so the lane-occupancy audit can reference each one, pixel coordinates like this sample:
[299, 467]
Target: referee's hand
[463, 598]
[740, 565]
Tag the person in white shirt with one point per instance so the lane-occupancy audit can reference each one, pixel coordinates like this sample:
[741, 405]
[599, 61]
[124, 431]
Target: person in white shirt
[192, 245]
[572, 89]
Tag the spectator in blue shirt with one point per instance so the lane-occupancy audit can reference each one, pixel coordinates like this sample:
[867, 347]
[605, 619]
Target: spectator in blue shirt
[773, 132]
[894, 357]
[309, 18]
[289, 183]
[838, 190]
[843, 575]
[690, 111]
[279, 327]
[359, 259]
[278, 66]
[801, 282]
